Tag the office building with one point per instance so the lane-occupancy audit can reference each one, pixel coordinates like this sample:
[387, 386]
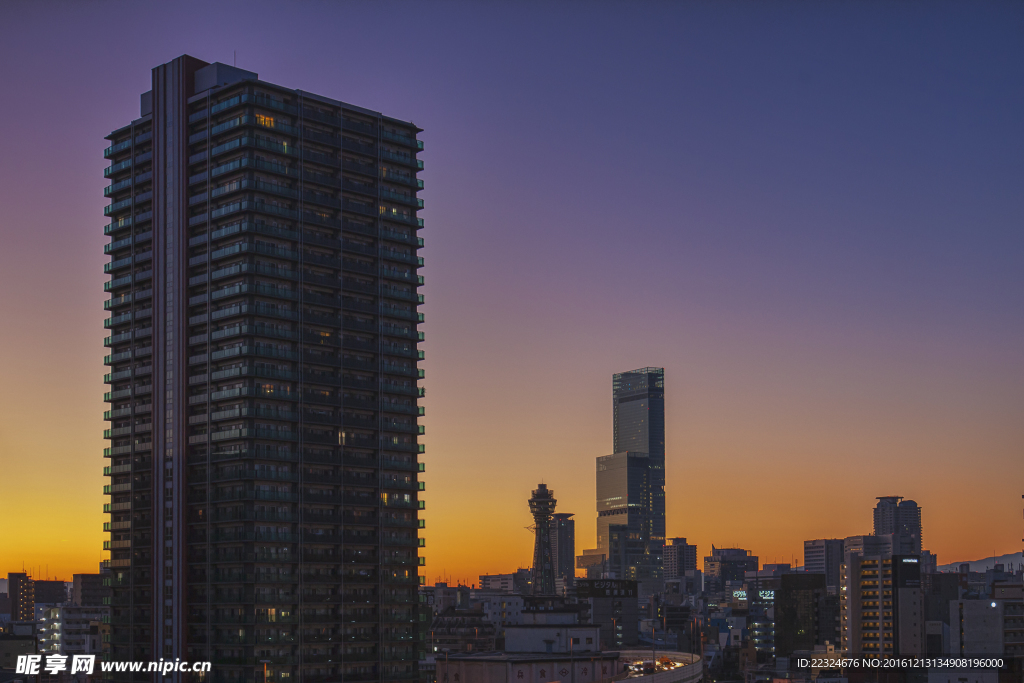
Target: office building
[679, 558]
[881, 606]
[563, 546]
[824, 556]
[22, 594]
[262, 384]
[623, 514]
[727, 564]
[893, 515]
[638, 414]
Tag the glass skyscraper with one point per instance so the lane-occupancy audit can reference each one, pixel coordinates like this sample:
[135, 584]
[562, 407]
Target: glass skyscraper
[263, 381]
[638, 412]
[631, 482]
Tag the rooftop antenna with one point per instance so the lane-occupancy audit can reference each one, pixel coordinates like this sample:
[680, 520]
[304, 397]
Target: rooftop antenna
[234, 58]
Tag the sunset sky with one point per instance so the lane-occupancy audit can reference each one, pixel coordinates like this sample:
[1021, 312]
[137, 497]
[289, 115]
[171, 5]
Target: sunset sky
[809, 214]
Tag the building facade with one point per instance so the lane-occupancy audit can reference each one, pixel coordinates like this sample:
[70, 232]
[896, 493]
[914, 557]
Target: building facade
[894, 515]
[881, 605]
[263, 369]
[638, 414]
[88, 590]
[22, 594]
[726, 565]
[563, 546]
[623, 514]
[806, 614]
[824, 556]
[680, 557]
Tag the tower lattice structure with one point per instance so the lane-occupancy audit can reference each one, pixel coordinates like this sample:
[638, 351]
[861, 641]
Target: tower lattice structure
[542, 507]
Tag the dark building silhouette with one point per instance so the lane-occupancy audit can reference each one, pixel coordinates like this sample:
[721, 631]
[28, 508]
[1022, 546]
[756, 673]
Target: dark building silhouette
[542, 507]
[623, 514]
[87, 590]
[638, 413]
[680, 557]
[893, 515]
[806, 614]
[563, 546]
[824, 556]
[22, 593]
[262, 386]
[727, 564]
[50, 592]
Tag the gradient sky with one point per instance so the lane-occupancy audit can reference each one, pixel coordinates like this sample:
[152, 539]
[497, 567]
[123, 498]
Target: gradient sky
[809, 213]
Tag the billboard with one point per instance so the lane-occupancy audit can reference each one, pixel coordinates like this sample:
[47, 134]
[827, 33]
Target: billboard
[605, 588]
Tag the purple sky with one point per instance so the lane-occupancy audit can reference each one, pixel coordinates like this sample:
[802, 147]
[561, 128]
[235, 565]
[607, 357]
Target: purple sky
[809, 213]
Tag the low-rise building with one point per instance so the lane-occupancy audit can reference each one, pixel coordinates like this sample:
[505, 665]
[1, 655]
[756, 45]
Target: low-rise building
[458, 630]
[79, 629]
[13, 646]
[614, 608]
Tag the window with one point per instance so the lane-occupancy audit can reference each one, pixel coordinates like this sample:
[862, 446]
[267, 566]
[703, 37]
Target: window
[590, 641]
[575, 641]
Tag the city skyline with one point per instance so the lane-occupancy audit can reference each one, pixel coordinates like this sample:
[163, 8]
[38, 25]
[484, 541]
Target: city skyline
[828, 247]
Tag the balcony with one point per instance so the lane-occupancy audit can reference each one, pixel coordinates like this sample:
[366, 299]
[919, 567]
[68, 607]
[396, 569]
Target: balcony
[408, 200]
[120, 223]
[393, 177]
[400, 159]
[402, 139]
[117, 187]
[118, 264]
[394, 215]
[119, 147]
[111, 170]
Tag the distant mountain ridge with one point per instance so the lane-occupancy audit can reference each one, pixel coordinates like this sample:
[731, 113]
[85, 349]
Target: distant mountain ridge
[1014, 559]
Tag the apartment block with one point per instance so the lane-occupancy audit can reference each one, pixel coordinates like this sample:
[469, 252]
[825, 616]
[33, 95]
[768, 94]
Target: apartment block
[881, 605]
[263, 392]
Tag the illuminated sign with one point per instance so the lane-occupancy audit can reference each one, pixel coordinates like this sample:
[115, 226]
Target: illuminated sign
[605, 588]
[739, 595]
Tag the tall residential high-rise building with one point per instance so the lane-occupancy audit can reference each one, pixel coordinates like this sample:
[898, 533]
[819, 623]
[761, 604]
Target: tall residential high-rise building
[881, 606]
[563, 546]
[623, 514]
[263, 381]
[680, 557]
[638, 415]
[893, 515]
[22, 594]
[824, 556]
